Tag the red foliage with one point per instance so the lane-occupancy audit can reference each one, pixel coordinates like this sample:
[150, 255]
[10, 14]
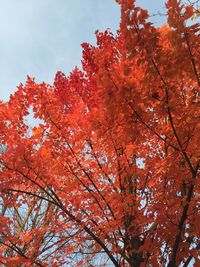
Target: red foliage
[110, 175]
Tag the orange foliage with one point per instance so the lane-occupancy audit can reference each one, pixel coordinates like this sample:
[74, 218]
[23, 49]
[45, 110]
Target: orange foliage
[115, 159]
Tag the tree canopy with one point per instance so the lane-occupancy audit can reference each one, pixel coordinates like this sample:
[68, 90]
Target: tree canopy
[110, 175]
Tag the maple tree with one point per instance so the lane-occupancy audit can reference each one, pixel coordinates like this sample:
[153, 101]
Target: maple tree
[110, 174]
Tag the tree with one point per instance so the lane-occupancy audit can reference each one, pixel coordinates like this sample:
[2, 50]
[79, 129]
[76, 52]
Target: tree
[110, 175]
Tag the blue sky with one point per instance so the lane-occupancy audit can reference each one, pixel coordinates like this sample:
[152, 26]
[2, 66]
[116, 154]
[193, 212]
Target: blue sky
[40, 37]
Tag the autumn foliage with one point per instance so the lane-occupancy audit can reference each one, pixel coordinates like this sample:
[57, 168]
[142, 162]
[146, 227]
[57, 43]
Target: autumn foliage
[110, 175]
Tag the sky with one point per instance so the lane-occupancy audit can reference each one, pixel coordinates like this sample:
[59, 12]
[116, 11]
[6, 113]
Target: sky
[40, 37]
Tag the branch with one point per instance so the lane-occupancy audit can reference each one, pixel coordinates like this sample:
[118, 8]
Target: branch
[74, 218]
[192, 58]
